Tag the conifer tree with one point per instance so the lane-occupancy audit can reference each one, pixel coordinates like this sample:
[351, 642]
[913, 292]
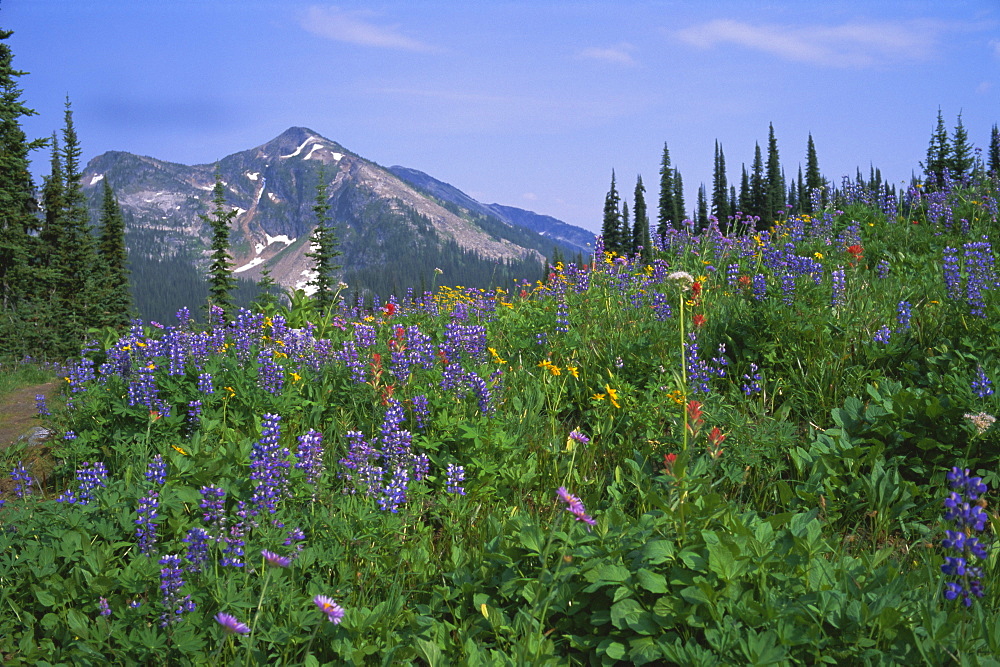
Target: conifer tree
[75, 255]
[668, 210]
[679, 213]
[814, 180]
[612, 224]
[53, 201]
[774, 182]
[961, 160]
[268, 296]
[733, 201]
[640, 228]
[324, 252]
[720, 189]
[114, 289]
[701, 219]
[744, 200]
[993, 157]
[625, 233]
[938, 154]
[220, 268]
[17, 212]
[758, 188]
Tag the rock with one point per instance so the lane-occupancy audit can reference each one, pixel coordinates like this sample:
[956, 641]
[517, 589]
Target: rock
[36, 435]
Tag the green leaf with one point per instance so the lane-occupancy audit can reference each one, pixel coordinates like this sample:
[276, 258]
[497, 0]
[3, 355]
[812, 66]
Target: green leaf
[654, 582]
[45, 598]
[656, 552]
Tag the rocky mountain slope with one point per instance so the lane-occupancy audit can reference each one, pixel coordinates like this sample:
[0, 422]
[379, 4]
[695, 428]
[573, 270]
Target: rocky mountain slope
[392, 232]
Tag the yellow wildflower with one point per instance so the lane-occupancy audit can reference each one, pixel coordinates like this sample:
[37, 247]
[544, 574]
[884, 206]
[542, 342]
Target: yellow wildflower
[818, 255]
[179, 450]
[232, 392]
[496, 356]
[296, 377]
[151, 367]
[572, 370]
[599, 397]
[612, 395]
[140, 343]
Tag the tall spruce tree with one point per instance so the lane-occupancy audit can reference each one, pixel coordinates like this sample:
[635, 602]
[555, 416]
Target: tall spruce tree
[668, 210]
[640, 228]
[938, 154]
[744, 200]
[75, 254]
[625, 233]
[612, 223]
[961, 161]
[220, 269]
[113, 285]
[993, 156]
[733, 201]
[324, 252]
[720, 189]
[758, 188]
[814, 179]
[701, 214]
[680, 214]
[18, 285]
[774, 182]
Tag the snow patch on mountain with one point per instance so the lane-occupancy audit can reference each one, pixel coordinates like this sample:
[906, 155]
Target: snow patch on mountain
[280, 238]
[301, 146]
[249, 265]
[96, 179]
[253, 175]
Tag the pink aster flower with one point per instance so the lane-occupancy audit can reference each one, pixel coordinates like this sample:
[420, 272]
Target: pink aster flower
[334, 612]
[575, 506]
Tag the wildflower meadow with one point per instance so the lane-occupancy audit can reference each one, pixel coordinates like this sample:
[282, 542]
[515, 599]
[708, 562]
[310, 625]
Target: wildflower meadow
[761, 447]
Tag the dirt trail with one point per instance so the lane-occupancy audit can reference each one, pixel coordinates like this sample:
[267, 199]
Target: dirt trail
[18, 410]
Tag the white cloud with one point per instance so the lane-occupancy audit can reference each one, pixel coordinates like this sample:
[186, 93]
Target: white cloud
[616, 55]
[984, 87]
[847, 45]
[995, 46]
[357, 27]
[530, 196]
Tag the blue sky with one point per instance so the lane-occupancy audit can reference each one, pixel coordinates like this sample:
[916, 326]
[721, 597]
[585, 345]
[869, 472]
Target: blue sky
[527, 103]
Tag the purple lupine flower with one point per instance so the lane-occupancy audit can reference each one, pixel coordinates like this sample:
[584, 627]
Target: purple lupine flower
[421, 466]
[963, 548]
[788, 289]
[759, 286]
[213, 501]
[194, 412]
[184, 317]
[882, 269]
[661, 306]
[752, 384]
[104, 607]
[421, 410]
[575, 506]
[197, 551]
[89, 476]
[268, 466]
[456, 475]
[394, 494]
[156, 471]
[145, 527]
[205, 385]
[310, 457]
[882, 335]
[952, 273]
[903, 315]
[171, 582]
[235, 538]
[839, 288]
[69, 435]
[23, 480]
[981, 386]
[41, 406]
[697, 369]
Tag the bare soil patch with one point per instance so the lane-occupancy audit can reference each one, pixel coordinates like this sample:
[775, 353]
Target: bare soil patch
[18, 410]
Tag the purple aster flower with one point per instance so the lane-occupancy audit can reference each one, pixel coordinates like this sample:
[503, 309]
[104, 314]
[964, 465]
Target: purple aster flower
[575, 506]
[578, 436]
[231, 624]
[334, 612]
[275, 560]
